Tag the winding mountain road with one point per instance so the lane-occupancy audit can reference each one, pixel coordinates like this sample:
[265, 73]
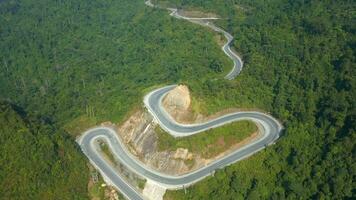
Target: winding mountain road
[269, 127]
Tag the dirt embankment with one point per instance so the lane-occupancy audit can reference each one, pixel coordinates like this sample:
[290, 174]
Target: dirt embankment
[138, 132]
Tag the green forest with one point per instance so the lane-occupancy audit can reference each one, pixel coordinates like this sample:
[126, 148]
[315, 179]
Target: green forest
[68, 65]
[37, 161]
[90, 61]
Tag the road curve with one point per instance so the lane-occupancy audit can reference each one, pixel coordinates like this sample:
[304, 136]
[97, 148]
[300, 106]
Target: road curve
[266, 125]
[238, 64]
[153, 102]
[269, 127]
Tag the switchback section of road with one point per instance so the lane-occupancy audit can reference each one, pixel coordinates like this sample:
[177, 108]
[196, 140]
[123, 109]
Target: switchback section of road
[269, 127]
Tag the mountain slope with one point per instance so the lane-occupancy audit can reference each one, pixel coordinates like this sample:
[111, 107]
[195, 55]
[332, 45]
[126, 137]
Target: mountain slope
[36, 160]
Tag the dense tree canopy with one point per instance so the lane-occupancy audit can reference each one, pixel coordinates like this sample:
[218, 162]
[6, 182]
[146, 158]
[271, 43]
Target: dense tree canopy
[70, 59]
[36, 160]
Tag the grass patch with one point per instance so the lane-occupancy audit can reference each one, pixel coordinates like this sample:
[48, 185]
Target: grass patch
[97, 191]
[107, 152]
[141, 183]
[208, 143]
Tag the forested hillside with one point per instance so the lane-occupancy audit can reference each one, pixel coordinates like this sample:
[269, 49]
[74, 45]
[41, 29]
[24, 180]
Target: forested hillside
[90, 60]
[300, 65]
[36, 160]
[76, 63]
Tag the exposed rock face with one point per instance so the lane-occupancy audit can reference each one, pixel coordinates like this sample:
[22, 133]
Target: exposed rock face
[178, 98]
[177, 104]
[138, 132]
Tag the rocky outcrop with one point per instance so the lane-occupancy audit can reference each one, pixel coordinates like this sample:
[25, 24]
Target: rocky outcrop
[138, 132]
[177, 103]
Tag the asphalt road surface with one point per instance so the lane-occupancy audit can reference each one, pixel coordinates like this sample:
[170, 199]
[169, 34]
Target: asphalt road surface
[269, 127]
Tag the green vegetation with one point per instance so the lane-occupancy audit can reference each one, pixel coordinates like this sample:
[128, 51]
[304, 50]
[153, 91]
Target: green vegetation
[141, 183]
[74, 63]
[81, 63]
[107, 152]
[36, 160]
[208, 143]
[96, 191]
[299, 65]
